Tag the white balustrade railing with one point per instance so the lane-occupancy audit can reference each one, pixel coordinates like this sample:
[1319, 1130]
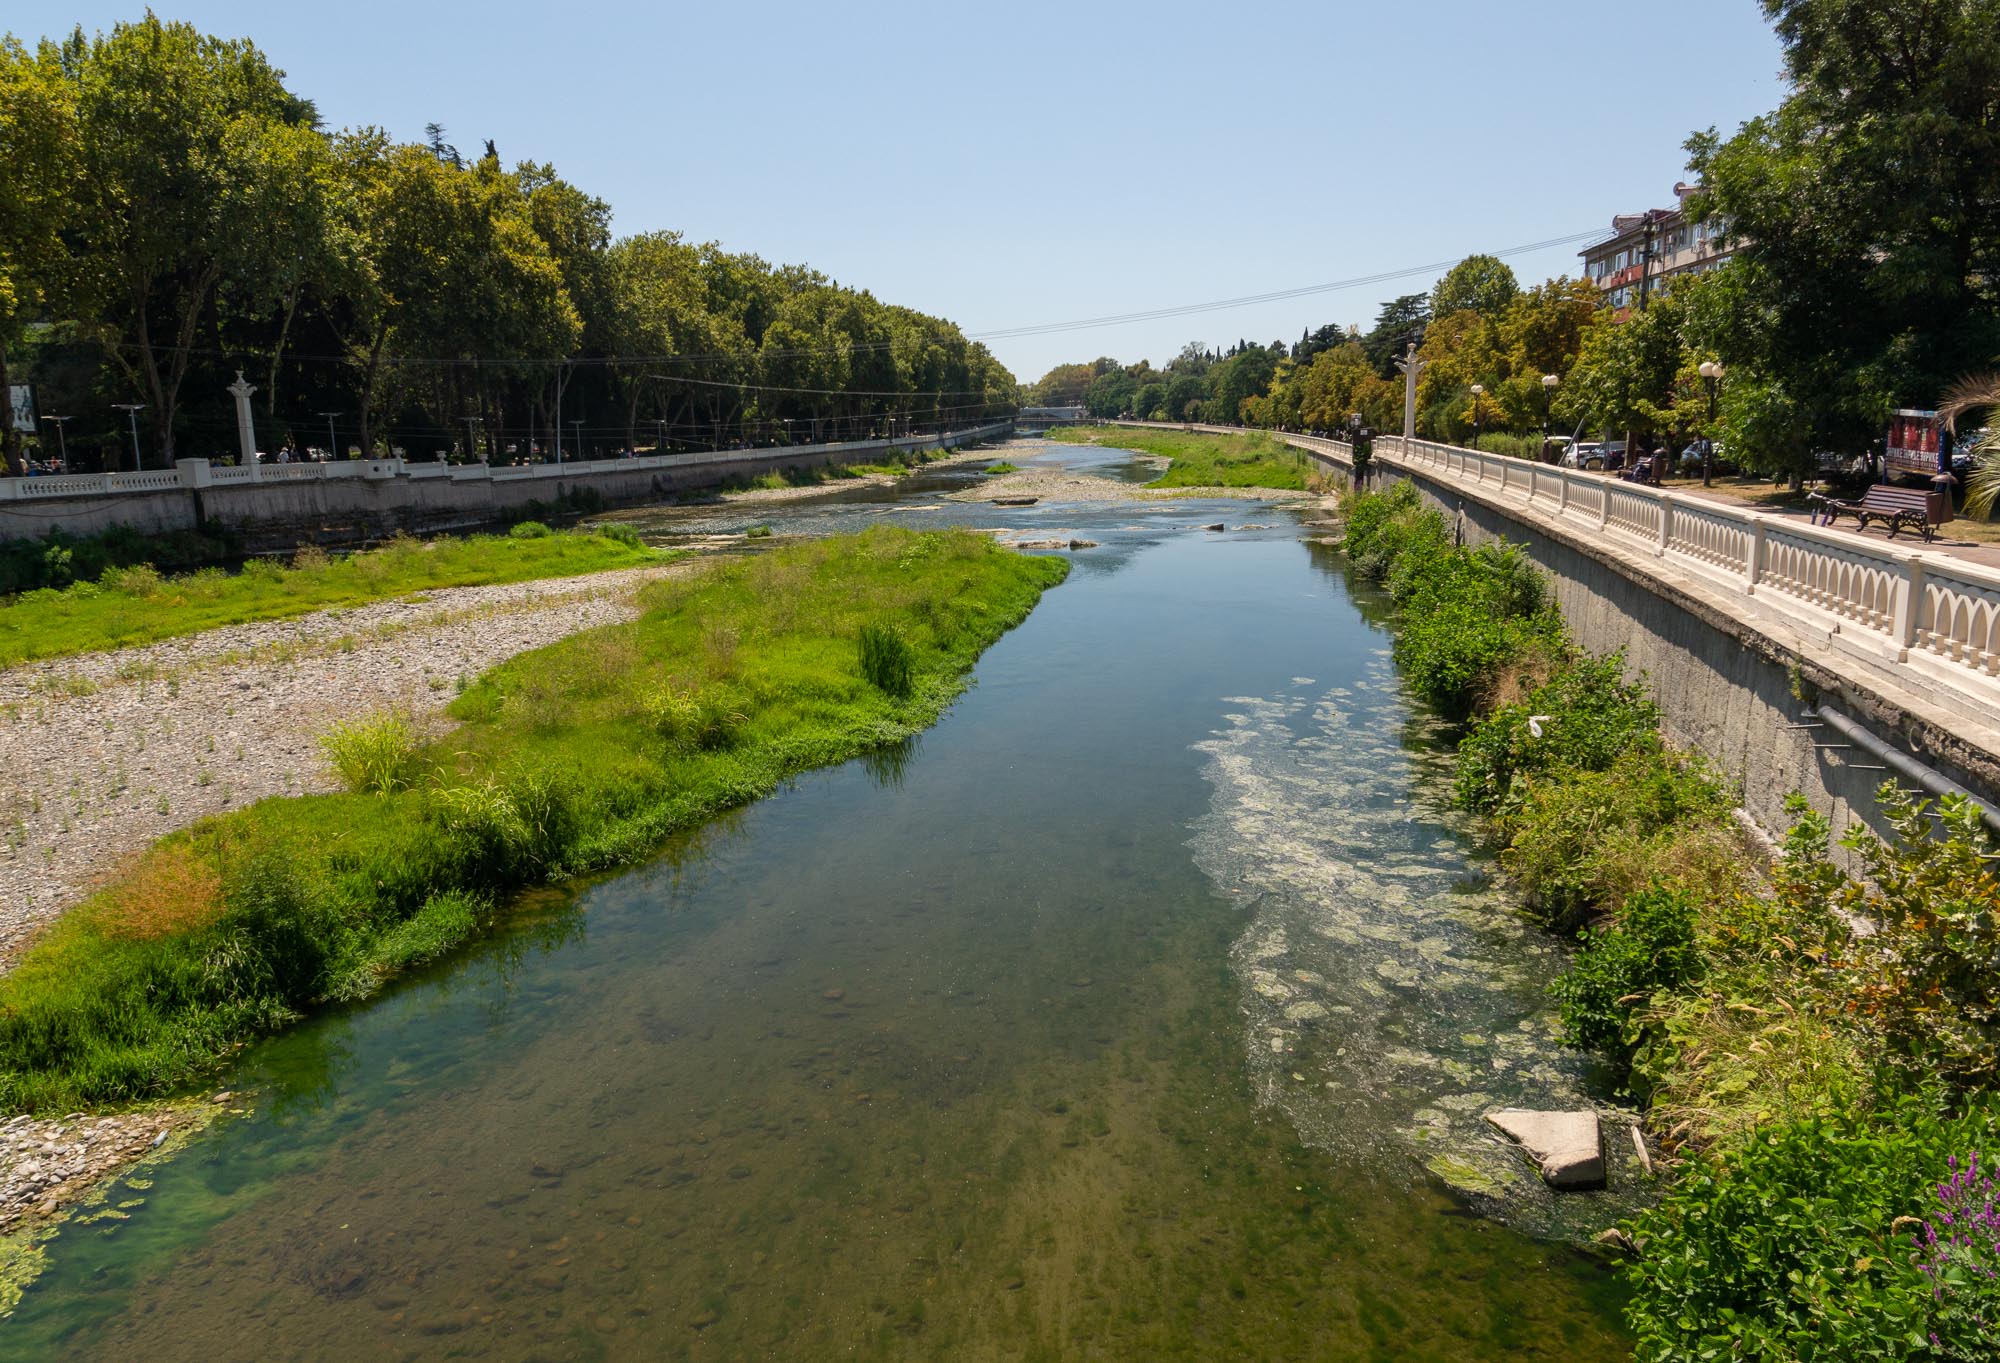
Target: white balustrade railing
[1915, 604]
[1918, 607]
[200, 473]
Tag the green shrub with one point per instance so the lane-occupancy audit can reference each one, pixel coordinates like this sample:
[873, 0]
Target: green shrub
[886, 660]
[619, 533]
[1573, 839]
[1648, 947]
[1449, 651]
[1000, 467]
[1929, 976]
[374, 755]
[1797, 1245]
[528, 530]
[1588, 715]
[757, 532]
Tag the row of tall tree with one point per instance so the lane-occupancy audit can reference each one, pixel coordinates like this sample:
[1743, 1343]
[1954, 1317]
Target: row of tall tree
[1866, 213]
[171, 213]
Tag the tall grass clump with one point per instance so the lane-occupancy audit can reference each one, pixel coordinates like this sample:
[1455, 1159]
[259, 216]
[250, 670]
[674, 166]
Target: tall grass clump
[886, 661]
[376, 755]
[1818, 1048]
[574, 758]
[138, 604]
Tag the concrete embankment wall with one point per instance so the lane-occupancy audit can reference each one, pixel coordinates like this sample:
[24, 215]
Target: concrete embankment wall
[1724, 690]
[281, 513]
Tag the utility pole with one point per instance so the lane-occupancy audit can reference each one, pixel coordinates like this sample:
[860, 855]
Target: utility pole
[472, 439]
[1646, 261]
[332, 441]
[578, 423]
[1411, 367]
[132, 410]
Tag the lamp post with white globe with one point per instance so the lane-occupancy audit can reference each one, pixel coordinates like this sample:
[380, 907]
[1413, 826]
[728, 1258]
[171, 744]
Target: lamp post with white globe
[1711, 374]
[1549, 382]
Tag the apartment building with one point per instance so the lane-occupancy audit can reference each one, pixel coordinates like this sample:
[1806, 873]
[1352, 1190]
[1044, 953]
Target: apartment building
[1647, 249]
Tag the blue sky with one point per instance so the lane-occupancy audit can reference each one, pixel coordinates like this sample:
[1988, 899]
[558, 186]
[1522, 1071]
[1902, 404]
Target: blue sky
[1008, 166]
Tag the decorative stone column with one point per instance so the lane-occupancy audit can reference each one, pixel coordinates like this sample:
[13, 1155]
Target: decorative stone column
[246, 434]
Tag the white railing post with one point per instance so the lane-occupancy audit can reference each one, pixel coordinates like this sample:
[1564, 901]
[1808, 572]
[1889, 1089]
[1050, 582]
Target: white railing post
[1562, 495]
[1666, 522]
[1603, 503]
[1909, 607]
[194, 472]
[1753, 556]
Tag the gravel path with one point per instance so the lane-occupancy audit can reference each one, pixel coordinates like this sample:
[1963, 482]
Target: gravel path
[104, 753]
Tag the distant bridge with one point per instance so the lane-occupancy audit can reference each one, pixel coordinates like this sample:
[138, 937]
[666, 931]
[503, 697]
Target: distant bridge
[1042, 418]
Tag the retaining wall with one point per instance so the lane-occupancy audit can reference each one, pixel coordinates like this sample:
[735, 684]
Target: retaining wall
[279, 507]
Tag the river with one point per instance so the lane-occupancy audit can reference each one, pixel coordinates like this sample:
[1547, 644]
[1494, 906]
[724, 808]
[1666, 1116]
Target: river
[1130, 1013]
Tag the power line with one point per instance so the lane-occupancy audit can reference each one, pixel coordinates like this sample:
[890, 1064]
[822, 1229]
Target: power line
[1279, 295]
[875, 347]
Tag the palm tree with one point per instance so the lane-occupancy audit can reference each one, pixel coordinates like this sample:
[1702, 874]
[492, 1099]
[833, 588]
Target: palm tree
[1978, 393]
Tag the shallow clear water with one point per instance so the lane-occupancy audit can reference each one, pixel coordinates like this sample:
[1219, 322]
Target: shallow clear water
[1115, 1018]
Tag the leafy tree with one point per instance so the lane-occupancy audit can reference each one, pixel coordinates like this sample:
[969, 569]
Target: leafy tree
[1183, 390]
[1864, 210]
[171, 123]
[1244, 375]
[1398, 325]
[653, 301]
[1111, 394]
[39, 145]
[1483, 284]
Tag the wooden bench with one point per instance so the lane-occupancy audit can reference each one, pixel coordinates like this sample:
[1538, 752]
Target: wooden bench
[1918, 508]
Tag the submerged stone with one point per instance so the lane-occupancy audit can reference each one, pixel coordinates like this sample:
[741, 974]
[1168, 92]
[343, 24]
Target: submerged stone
[1567, 1145]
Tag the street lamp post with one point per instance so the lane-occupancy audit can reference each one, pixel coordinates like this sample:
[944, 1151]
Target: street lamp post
[576, 444]
[472, 439]
[1478, 391]
[1549, 382]
[62, 442]
[332, 440]
[1711, 374]
[132, 410]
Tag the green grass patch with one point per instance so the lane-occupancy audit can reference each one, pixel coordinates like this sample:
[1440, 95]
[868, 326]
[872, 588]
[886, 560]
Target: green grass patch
[1203, 460]
[996, 469]
[571, 759]
[138, 605]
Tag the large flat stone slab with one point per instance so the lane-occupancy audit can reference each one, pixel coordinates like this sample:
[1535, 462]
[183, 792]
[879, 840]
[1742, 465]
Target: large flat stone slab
[1567, 1145]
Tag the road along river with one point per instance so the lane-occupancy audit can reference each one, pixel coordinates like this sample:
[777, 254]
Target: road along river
[1124, 1015]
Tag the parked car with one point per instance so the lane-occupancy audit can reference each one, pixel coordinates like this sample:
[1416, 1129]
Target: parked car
[1584, 454]
[1690, 461]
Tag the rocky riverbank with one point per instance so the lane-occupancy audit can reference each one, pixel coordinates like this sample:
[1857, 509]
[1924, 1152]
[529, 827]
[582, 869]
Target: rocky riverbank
[105, 753]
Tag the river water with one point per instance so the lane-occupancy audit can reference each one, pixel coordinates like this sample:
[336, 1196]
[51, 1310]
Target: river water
[1130, 1013]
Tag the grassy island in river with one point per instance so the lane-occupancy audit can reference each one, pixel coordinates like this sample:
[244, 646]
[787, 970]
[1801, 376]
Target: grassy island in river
[569, 759]
[1202, 459]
